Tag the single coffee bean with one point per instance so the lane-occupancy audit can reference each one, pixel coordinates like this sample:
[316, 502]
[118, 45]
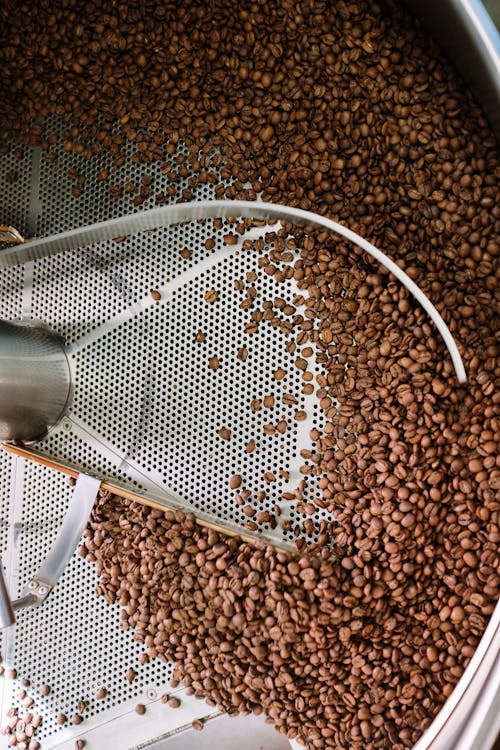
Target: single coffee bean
[211, 296]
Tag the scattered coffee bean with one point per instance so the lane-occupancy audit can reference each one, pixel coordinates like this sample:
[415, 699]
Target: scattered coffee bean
[250, 446]
[211, 296]
[235, 481]
[404, 459]
[214, 363]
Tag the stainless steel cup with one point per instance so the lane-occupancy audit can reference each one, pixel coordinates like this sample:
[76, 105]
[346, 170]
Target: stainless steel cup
[35, 381]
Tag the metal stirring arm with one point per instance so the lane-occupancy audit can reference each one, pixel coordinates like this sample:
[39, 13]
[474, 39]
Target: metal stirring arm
[41, 584]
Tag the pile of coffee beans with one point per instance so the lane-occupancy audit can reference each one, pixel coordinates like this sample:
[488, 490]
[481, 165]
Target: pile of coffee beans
[346, 108]
[360, 654]
[20, 729]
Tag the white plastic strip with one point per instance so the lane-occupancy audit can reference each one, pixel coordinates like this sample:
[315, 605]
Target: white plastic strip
[207, 209]
[70, 532]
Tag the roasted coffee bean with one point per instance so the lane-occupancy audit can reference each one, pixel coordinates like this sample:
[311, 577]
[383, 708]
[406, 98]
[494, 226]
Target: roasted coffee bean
[235, 481]
[214, 363]
[404, 459]
[211, 296]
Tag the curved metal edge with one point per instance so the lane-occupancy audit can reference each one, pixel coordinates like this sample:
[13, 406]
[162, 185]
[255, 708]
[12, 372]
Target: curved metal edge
[70, 392]
[209, 209]
[466, 31]
[470, 720]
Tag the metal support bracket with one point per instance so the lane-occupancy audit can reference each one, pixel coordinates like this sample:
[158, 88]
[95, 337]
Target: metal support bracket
[38, 588]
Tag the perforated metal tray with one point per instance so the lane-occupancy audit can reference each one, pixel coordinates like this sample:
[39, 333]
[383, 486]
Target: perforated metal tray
[147, 409]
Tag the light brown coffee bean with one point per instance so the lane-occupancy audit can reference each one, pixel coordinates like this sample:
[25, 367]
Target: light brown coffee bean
[235, 481]
[211, 296]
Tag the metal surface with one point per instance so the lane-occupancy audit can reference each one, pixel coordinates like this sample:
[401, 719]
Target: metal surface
[7, 616]
[467, 33]
[470, 718]
[81, 238]
[75, 521]
[74, 641]
[226, 733]
[34, 381]
[148, 407]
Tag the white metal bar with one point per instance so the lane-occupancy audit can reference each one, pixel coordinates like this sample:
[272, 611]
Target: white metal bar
[206, 209]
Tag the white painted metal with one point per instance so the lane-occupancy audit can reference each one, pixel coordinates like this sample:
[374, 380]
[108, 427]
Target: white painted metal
[228, 733]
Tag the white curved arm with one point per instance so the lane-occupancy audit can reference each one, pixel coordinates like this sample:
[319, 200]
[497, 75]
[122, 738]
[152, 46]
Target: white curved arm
[208, 209]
